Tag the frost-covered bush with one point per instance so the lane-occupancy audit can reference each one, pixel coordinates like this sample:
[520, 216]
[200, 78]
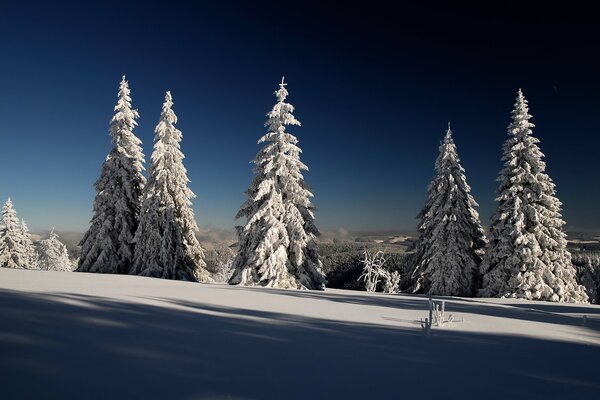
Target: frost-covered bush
[53, 254]
[391, 282]
[373, 270]
[374, 273]
[342, 264]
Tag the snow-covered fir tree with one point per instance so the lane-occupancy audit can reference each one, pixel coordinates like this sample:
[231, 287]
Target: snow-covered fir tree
[53, 254]
[16, 249]
[107, 245]
[29, 250]
[277, 245]
[451, 239]
[11, 253]
[166, 245]
[527, 253]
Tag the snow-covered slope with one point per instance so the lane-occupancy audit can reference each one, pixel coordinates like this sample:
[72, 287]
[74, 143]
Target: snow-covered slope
[74, 335]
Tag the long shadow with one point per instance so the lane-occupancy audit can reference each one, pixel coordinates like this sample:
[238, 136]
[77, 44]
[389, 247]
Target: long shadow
[59, 346]
[560, 308]
[532, 311]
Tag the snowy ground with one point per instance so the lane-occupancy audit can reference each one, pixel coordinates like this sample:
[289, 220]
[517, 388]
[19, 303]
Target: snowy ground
[74, 335]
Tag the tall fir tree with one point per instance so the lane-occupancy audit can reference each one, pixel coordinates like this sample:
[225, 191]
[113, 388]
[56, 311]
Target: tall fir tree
[107, 245]
[53, 254]
[16, 249]
[527, 253]
[451, 239]
[166, 245]
[277, 246]
[29, 250]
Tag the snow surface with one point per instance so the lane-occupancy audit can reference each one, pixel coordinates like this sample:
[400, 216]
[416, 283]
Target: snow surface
[66, 335]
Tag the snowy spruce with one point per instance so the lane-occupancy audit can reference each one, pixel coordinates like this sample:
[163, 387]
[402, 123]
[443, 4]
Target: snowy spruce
[277, 245]
[107, 245]
[527, 255]
[53, 254]
[451, 239]
[29, 250]
[165, 242]
[16, 247]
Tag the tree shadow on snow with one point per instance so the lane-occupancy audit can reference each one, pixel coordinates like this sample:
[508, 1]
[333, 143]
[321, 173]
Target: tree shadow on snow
[74, 346]
[589, 310]
[530, 311]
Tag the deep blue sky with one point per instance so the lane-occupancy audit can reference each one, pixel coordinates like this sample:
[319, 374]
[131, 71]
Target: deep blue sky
[373, 86]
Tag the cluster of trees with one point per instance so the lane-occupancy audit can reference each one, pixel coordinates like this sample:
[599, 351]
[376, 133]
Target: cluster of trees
[143, 226]
[525, 255]
[147, 227]
[18, 251]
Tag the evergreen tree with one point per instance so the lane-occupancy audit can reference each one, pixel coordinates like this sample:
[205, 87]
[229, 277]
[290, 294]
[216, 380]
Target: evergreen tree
[53, 254]
[14, 252]
[277, 245]
[166, 245]
[29, 251]
[527, 253]
[107, 245]
[451, 239]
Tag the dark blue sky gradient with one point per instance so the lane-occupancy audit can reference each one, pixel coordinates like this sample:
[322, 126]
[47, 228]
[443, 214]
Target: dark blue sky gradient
[373, 86]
